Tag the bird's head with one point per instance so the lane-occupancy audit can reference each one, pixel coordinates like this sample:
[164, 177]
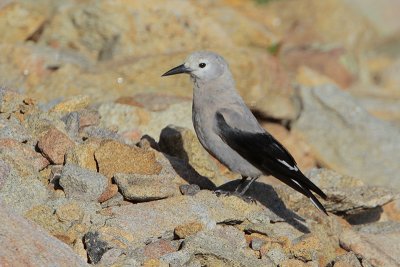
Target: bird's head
[202, 65]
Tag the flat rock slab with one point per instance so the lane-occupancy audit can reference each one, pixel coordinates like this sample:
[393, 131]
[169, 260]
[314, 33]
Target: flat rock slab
[346, 138]
[153, 219]
[25, 244]
[380, 249]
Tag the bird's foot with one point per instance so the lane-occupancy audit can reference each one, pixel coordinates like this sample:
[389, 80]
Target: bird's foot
[247, 199]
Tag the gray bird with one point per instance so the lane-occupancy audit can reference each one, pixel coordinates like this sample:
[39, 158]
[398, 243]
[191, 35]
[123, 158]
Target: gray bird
[228, 130]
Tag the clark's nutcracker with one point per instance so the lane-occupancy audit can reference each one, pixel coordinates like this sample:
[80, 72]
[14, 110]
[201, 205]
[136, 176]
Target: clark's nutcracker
[229, 131]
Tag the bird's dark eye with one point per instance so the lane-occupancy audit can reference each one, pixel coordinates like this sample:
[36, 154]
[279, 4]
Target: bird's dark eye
[202, 65]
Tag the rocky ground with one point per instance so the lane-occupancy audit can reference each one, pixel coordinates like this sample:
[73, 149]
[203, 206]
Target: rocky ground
[99, 163]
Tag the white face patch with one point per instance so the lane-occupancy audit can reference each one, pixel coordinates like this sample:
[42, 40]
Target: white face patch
[292, 168]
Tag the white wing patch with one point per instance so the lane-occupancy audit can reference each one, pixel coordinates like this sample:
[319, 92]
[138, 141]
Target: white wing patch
[292, 168]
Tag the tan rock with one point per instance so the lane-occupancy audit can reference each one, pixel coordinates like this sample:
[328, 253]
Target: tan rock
[71, 104]
[309, 77]
[185, 230]
[54, 145]
[70, 212]
[83, 155]
[79, 248]
[307, 248]
[115, 237]
[45, 217]
[138, 187]
[18, 22]
[10, 101]
[113, 157]
[155, 263]
[293, 263]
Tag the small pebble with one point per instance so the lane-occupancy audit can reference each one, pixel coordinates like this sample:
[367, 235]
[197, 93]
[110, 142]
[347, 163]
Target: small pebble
[189, 189]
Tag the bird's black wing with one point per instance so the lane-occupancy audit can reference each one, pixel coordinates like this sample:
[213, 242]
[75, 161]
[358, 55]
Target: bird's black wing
[264, 152]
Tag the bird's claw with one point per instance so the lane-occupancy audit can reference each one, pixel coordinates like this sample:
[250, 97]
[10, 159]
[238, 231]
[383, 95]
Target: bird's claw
[247, 199]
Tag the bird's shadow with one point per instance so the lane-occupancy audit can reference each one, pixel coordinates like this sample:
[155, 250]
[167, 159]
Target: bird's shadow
[263, 193]
[266, 195]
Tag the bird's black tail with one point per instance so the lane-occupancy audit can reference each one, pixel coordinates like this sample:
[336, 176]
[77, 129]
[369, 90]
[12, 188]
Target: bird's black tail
[305, 186]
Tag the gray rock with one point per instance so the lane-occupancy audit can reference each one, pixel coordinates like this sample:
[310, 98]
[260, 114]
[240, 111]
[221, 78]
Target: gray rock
[35, 247]
[189, 189]
[378, 249]
[82, 184]
[71, 121]
[5, 170]
[139, 187]
[346, 138]
[277, 255]
[257, 243]
[348, 259]
[379, 227]
[178, 258]
[99, 132]
[221, 246]
[22, 193]
[152, 219]
[12, 129]
[110, 257]
[346, 195]
[114, 201]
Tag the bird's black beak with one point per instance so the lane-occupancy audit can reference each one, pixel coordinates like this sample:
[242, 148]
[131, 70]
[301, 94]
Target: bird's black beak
[177, 70]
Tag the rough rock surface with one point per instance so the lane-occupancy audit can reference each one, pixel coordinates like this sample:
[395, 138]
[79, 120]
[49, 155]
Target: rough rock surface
[113, 157]
[138, 187]
[28, 244]
[86, 154]
[79, 183]
[355, 134]
[54, 145]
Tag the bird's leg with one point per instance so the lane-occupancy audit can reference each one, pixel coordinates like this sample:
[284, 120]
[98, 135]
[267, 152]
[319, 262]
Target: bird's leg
[240, 190]
[236, 192]
[243, 191]
[241, 183]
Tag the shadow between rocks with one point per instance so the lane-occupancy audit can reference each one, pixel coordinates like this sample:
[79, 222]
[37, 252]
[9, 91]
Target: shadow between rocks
[179, 159]
[189, 174]
[267, 196]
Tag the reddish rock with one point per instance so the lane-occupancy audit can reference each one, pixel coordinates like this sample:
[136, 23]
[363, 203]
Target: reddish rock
[88, 118]
[23, 156]
[54, 145]
[159, 248]
[110, 191]
[25, 244]
[185, 230]
[328, 63]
